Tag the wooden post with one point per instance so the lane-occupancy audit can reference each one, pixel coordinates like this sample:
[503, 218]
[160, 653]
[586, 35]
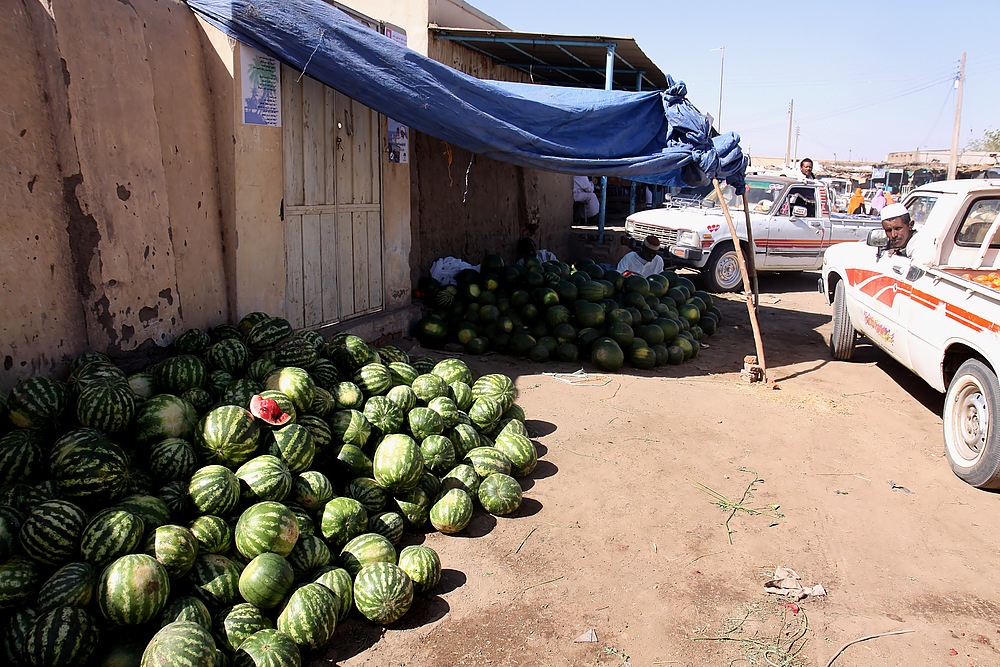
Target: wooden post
[758, 343]
[752, 257]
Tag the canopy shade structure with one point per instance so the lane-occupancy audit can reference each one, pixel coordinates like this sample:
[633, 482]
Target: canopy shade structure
[653, 137]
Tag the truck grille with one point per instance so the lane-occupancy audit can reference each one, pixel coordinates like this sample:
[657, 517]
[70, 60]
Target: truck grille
[666, 236]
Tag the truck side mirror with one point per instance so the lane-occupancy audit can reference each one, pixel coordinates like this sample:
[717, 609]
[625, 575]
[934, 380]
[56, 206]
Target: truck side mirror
[878, 239]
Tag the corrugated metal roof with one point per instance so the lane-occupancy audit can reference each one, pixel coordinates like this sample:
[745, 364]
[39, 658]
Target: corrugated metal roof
[564, 60]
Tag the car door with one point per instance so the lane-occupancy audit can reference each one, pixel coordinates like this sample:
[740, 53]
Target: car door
[797, 230]
[881, 284]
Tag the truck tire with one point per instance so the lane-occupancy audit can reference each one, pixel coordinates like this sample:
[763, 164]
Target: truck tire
[971, 438]
[843, 335]
[722, 272]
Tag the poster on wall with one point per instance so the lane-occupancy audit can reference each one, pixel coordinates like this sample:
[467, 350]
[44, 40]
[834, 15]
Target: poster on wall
[261, 88]
[399, 141]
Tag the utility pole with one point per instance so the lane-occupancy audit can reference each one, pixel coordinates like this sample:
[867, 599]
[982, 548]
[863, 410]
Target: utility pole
[788, 148]
[960, 84]
[795, 153]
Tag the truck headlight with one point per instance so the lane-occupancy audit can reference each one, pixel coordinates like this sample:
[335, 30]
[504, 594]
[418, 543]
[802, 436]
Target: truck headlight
[688, 237]
[629, 226]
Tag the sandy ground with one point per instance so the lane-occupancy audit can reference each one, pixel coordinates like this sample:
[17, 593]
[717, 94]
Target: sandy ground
[635, 525]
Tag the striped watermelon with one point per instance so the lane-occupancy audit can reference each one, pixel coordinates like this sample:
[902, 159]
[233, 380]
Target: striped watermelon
[367, 492]
[248, 321]
[520, 450]
[234, 624]
[259, 369]
[325, 374]
[465, 438]
[415, 507]
[391, 354]
[186, 608]
[294, 445]
[430, 483]
[19, 579]
[353, 460]
[447, 409]
[215, 579]
[364, 549]
[383, 592]
[322, 435]
[295, 352]
[307, 525]
[387, 524]
[266, 526]
[218, 381]
[175, 375]
[268, 648]
[165, 416]
[310, 616]
[85, 358]
[153, 511]
[348, 396]
[401, 374]
[62, 636]
[266, 580]
[499, 494]
[461, 393]
[485, 413]
[265, 477]
[108, 407]
[452, 370]
[52, 530]
[214, 535]
[452, 512]
[228, 434]
[339, 582]
[351, 352]
[323, 403]
[133, 590]
[311, 489]
[229, 355]
[384, 415]
[343, 519]
[295, 383]
[70, 440]
[21, 456]
[111, 534]
[438, 453]
[172, 458]
[175, 496]
[214, 489]
[373, 379]
[224, 332]
[14, 631]
[404, 398]
[143, 386]
[180, 644]
[429, 386]
[424, 422]
[310, 552]
[350, 427]
[95, 373]
[488, 460]
[268, 334]
[200, 398]
[192, 341]
[240, 392]
[10, 524]
[423, 565]
[397, 464]
[37, 402]
[496, 386]
[95, 472]
[174, 547]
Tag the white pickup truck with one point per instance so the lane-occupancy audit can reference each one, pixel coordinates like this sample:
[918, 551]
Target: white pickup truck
[790, 218]
[937, 311]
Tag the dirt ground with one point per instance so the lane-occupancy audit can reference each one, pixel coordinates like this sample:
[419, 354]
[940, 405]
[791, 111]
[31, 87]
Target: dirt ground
[635, 527]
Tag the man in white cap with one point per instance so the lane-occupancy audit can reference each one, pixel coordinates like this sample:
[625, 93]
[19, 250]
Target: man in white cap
[645, 261]
[898, 228]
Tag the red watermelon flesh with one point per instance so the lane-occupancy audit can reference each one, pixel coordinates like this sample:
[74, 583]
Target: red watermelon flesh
[268, 410]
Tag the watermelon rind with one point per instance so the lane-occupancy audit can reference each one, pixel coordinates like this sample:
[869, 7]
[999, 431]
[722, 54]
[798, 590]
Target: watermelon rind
[234, 624]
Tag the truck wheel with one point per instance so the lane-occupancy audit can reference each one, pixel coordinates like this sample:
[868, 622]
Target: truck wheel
[722, 272]
[971, 439]
[843, 335]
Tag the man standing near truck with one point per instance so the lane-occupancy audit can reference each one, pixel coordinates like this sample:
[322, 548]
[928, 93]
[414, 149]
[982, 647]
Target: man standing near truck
[806, 167]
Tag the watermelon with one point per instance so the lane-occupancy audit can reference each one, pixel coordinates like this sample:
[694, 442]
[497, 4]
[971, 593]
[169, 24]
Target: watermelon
[51, 532]
[403, 396]
[268, 410]
[153, 511]
[519, 450]
[438, 453]
[464, 437]
[383, 592]
[229, 355]
[367, 492]
[172, 458]
[452, 512]
[180, 644]
[192, 341]
[108, 407]
[266, 526]
[311, 489]
[339, 582]
[453, 370]
[414, 506]
[294, 445]
[266, 478]
[373, 379]
[384, 415]
[402, 374]
[274, 416]
[342, 520]
[295, 383]
[240, 392]
[348, 396]
[424, 422]
[488, 460]
[14, 632]
[19, 579]
[351, 427]
[322, 434]
[214, 489]
[175, 496]
[37, 402]
[485, 413]
[391, 353]
[461, 393]
[431, 331]
[307, 525]
[296, 352]
[447, 409]
[462, 476]
[215, 579]
[267, 648]
[429, 386]
[397, 464]
[234, 624]
[499, 494]
[268, 333]
[213, 534]
[186, 608]
[174, 547]
[228, 435]
[62, 636]
[353, 460]
[387, 524]
[496, 386]
[259, 369]
[248, 321]
[72, 584]
[175, 375]
[423, 565]
[84, 358]
[133, 590]
[97, 472]
[351, 353]
[111, 533]
[323, 403]
[266, 580]
[364, 549]
[21, 456]
[310, 616]
[310, 552]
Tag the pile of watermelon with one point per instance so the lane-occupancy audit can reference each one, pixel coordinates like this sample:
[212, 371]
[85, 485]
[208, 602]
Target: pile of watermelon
[233, 503]
[550, 310]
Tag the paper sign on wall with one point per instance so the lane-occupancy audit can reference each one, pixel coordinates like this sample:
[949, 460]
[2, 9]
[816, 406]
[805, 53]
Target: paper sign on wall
[261, 88]
[399, 141]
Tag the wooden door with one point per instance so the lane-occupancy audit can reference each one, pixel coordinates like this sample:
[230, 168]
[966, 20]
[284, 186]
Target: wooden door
[332, 205]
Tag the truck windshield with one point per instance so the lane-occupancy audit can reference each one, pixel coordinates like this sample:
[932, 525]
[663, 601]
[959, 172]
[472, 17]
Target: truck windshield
[761, 194]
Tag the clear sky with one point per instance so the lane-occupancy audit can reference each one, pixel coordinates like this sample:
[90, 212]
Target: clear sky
[868, 78]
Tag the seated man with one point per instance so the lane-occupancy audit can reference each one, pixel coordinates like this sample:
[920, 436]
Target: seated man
[645, 261]
[526, 248]
[583, 191]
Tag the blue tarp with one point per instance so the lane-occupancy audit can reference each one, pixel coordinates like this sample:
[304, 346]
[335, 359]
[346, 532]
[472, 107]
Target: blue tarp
[654, 137]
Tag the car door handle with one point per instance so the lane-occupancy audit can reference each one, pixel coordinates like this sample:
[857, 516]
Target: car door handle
[897, 269]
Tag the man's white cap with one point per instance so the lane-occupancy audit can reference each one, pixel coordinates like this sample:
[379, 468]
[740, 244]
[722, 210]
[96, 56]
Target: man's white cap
[891, 211]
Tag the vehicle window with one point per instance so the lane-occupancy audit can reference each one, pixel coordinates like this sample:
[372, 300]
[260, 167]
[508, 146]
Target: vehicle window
[920, 208]
[800, 196]
[977, 223]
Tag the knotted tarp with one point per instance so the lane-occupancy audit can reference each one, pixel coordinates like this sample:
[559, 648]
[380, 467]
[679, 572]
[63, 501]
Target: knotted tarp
[653, 137]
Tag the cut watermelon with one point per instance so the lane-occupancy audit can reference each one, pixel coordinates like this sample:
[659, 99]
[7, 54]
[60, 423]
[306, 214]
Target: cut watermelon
[268, 410]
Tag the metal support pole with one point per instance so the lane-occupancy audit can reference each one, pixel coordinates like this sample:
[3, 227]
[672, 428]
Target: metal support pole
[609, 73]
